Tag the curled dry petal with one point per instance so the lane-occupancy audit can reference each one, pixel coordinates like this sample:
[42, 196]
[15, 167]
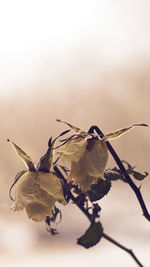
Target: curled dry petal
[37, 192]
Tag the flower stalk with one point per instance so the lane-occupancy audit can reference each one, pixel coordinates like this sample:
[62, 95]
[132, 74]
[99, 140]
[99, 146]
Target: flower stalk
[124, 173]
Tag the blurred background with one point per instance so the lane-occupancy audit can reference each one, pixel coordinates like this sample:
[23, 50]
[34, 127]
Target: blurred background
[85, 62]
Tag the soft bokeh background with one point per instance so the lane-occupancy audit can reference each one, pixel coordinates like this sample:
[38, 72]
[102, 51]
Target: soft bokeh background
[85, 62]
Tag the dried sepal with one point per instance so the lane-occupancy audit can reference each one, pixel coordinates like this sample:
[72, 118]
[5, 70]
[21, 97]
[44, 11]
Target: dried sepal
[26, 159]
[119, 132]
[37, 192]
[47, 160]
[76, 129]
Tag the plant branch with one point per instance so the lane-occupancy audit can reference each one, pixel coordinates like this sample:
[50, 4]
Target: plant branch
[108, 238]
[125, 174]
[85, 211]
[91, 219]
[123, 247]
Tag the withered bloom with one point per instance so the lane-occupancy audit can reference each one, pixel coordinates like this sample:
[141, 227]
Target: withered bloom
[37, 190]
[88, 160]
[88, 155]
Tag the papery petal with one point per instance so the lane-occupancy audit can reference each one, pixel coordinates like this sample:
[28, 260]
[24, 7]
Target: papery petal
[27, 190]
[96, 158]
[38, 211]
[79, 176]
[87, 182]
[77, 173]
[52, 185]
[73, 149]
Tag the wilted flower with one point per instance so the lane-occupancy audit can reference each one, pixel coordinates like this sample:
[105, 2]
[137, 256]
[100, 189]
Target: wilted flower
[37, 190]
[88, 160]
[88, 155]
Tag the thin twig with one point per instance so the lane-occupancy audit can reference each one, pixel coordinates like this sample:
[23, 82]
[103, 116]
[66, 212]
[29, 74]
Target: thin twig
[125, 174]
[122, 247]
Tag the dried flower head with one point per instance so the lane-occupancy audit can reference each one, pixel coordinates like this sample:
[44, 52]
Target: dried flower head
[37, 190]
[88, 155]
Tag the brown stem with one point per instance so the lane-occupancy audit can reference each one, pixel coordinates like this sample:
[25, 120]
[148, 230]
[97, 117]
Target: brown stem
[123, 247]
[130, 182]
[125, 174]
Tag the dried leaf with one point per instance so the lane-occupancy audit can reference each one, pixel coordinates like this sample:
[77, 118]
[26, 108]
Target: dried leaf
[26, 159]
[99, 190]
[139, 176]
[92, 236]
[113, 174]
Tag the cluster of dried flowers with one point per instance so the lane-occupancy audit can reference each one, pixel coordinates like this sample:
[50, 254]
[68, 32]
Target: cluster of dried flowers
[87, 180]
[38, 189]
